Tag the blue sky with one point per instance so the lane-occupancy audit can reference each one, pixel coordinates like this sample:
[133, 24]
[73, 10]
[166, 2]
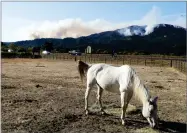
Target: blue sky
[25, 20]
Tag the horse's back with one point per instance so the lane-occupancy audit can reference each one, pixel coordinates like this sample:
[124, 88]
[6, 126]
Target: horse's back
[109, 77]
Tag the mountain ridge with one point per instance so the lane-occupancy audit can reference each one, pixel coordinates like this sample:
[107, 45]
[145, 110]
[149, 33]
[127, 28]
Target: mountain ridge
[165, 38]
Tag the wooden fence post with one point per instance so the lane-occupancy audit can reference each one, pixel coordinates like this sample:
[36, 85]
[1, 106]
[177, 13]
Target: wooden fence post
[180, 65]
[154, 62]
[171, 63]
[85, 58]
[151, 61]
[162, 63]
[185, 66]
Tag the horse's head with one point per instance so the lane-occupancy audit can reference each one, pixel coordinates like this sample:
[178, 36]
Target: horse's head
[150, 112]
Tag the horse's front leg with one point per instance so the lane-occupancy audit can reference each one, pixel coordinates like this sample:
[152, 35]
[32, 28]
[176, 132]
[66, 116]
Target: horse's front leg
[123, 106]
[99, 94]
[87, 93]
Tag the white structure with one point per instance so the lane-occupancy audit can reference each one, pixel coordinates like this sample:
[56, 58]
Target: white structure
[88, 50]
[45, 52]
[10, 50]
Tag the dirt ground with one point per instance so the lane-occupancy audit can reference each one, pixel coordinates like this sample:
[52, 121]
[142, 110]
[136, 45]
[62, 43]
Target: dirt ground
[48, 96]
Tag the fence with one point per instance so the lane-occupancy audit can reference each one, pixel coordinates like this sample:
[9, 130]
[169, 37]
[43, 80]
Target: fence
[169, 61]
[179, 64]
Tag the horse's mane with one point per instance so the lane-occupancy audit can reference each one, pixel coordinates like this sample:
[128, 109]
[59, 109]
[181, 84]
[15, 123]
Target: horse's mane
[140, 91]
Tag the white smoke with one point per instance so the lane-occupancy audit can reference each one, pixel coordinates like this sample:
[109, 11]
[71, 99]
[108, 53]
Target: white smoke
[65, 28]
[153, 17]
[149, 29]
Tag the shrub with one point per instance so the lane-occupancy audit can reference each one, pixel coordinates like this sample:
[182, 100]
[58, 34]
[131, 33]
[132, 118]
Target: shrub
[16, 55]
[8, 55]
[24, 55]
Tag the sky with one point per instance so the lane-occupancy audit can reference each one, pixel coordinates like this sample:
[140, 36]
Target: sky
[30, 20]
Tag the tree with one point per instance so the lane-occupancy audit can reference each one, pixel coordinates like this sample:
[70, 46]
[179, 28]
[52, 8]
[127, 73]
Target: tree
[12, 47]
[47, 46]
[2, 44]
[29, 49]
[4, 47]
[36, 50]
[21, 49]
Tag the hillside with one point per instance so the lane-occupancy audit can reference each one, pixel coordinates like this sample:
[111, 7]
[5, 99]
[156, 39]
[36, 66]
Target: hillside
[160, 39]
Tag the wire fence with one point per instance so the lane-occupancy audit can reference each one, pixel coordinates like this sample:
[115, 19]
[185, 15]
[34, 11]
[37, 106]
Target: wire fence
[168, 61]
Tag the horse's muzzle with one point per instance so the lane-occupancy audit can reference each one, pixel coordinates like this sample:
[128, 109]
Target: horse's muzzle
[154, 125]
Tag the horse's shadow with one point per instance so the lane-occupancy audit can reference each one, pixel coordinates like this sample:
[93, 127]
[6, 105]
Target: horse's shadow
[168, 126]
[136, 120]
[164, 126]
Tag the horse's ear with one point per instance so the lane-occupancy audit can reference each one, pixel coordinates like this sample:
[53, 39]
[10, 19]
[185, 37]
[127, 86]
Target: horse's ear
[155, 99]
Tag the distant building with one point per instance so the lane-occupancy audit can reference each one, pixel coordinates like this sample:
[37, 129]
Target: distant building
[45, 52]
[88, 50]
[10, 50]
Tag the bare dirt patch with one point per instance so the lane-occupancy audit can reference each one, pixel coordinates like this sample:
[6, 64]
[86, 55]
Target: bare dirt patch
[48, 96]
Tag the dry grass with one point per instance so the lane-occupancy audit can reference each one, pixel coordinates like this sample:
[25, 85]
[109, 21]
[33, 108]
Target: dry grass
[48, 96]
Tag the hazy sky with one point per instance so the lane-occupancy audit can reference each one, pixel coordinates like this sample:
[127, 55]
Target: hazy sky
[28, 20]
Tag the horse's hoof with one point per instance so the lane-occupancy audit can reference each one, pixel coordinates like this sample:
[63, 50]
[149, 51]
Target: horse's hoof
[103, 113]
[154, 127]
[123, 123]
[87, 112]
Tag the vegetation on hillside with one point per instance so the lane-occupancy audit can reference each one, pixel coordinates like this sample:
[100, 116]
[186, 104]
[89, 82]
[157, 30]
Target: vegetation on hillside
[168, 40]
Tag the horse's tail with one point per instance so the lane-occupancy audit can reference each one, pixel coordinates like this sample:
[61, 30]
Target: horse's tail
[82, 69]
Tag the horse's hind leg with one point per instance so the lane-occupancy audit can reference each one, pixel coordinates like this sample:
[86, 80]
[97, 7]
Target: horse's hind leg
[99, 95]
[87, 93]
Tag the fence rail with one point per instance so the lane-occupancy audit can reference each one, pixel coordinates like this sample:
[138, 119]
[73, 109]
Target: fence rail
[177, 63]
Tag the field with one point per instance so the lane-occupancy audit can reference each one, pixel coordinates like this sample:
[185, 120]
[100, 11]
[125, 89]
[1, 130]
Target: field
[40, 95]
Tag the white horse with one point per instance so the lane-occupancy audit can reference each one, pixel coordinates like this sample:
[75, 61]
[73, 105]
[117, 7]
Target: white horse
[123, 80]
